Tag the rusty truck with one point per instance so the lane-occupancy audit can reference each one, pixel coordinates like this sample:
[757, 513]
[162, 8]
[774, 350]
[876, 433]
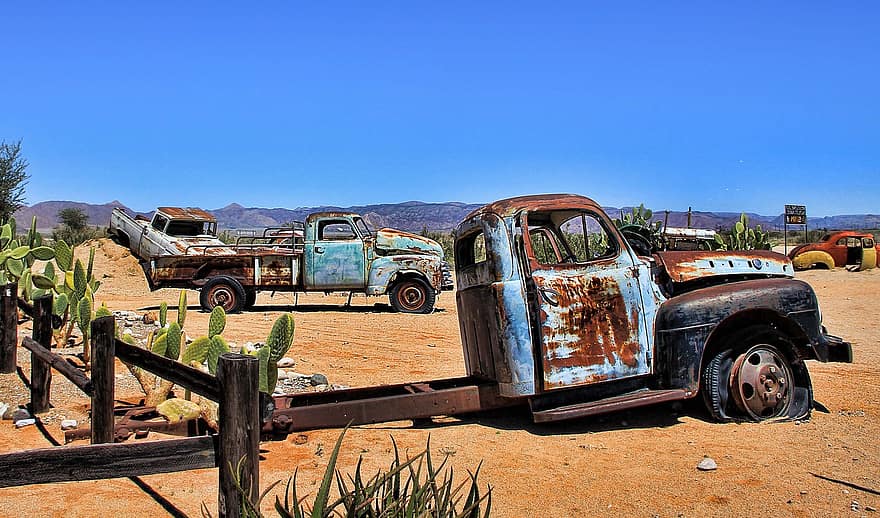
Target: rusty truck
[558, 314]
[329, 252]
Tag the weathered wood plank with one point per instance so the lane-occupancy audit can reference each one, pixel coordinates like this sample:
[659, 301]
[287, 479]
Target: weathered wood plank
[76, 376]
[103, 379]
[41, 372]
[195, 380]
[28, 310]
[8, 327]
[100, 461]
[239, 378]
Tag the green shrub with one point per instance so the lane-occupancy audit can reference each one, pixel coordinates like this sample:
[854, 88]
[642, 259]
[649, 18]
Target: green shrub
[411, 488]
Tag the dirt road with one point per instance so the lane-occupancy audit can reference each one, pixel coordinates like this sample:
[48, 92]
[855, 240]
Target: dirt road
[637, 463]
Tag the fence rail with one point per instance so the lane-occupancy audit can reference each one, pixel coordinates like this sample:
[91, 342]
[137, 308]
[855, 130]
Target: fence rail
[235, 389]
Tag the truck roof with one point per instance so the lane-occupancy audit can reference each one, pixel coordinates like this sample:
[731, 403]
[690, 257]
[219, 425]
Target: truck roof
[190, 213]
[512, 206]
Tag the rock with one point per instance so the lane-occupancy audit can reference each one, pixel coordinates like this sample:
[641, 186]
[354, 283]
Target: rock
[286, 362]
[150, 318]
[127, 331]
[854, 506]
[707, 464]
[870, 509]
[20, 414]
[21, 423]
[4, 408]
[318, 379]
[69, 424]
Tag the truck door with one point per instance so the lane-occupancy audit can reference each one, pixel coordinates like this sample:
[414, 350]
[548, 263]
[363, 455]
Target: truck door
[335, 259]
[590, 306]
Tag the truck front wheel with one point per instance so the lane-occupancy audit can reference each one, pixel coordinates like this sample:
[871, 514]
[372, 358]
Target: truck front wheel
[412, 295]
[753, 379]
[222, 291]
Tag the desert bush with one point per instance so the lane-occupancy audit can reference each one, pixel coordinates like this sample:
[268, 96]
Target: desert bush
[414, 487]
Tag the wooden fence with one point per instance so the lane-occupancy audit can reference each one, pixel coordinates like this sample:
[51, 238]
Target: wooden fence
[235, 389]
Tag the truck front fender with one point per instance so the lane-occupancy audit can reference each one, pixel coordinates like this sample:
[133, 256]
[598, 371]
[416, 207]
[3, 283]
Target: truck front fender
[689, 324]
[386, 269]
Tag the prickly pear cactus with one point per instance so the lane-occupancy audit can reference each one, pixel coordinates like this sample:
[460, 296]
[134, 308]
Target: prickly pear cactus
[197, 351]
[181, 309]
[280, 337]
[218, 347]
[176, 409]
[173, 339]
[163, 314]
[217, 322]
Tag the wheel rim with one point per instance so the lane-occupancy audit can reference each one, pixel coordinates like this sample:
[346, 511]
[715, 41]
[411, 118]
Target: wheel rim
[222, 296]
[761, 383]
[411, 296]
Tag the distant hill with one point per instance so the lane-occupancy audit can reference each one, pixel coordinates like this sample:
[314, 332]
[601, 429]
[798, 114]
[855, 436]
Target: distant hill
[414, 216]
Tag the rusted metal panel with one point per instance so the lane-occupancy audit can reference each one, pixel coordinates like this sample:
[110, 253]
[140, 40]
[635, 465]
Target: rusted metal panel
[692, 265]
[512, 206]
[594, 332]
[392, 240]
[492, 307]
[384, 269]
[384, 403]
[191, 213]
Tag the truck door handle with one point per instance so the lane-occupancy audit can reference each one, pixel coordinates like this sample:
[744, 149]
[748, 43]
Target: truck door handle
[551, 296]
[319, 249]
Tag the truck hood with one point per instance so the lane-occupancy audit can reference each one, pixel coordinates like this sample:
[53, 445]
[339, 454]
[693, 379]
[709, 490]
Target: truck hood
[689, 266]
[389, 240]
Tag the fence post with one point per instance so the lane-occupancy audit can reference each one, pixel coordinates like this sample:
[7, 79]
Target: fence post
[8, 327]
[239, 377]
[103, 379]
[41, 372]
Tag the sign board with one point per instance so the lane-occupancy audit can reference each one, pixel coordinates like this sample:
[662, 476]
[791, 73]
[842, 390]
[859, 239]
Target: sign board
[795, 215]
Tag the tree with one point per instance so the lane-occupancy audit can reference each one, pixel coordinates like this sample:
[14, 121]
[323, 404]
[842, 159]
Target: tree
[73, 228]
[13, 178]
[73, 218]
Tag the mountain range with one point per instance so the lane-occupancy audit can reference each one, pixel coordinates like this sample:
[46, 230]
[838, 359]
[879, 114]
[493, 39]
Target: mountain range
[415, 216]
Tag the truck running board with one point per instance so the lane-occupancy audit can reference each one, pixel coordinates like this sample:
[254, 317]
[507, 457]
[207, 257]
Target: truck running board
[611, 404]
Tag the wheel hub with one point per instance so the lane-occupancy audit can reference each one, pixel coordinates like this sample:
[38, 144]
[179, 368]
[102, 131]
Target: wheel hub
[411, 297]
[760, 382]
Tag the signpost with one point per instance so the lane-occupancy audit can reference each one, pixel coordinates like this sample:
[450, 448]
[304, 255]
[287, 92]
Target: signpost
[794, 215]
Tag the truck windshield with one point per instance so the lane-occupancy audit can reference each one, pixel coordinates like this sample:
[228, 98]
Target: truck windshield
[362, 228]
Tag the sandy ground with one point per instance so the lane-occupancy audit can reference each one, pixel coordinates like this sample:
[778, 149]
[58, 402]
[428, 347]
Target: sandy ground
[636, 463]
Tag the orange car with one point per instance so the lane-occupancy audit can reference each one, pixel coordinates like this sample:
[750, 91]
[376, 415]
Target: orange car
[845, 248]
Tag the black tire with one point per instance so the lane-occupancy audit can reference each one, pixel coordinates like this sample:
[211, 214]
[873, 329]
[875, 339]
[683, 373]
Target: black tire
[222, 291]
[412, 295]
[753, 378]
[250, 298]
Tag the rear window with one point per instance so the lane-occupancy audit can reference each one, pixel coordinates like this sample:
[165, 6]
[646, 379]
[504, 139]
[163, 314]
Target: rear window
[471, 249]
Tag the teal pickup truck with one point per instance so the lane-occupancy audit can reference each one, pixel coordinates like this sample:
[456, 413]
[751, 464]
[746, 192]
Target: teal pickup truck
[329, 252]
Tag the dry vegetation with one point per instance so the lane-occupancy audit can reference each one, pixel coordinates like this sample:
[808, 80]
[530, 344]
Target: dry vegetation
[639, 463]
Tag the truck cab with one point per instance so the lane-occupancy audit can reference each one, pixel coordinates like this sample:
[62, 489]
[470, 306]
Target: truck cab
[555, 306]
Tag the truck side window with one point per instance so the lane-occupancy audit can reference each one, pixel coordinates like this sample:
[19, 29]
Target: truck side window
[569, 237]
[544, 246]
[335, 230]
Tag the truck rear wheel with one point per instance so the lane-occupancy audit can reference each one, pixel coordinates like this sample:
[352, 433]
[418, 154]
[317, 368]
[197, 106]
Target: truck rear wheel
[412, 295]
[222, 291]
[753, 379]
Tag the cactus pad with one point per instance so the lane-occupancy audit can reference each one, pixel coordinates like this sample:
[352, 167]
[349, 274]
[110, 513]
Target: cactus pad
[217, 322]
[176, 409]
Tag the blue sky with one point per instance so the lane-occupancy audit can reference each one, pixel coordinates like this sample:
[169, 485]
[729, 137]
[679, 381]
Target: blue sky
[739, 106]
